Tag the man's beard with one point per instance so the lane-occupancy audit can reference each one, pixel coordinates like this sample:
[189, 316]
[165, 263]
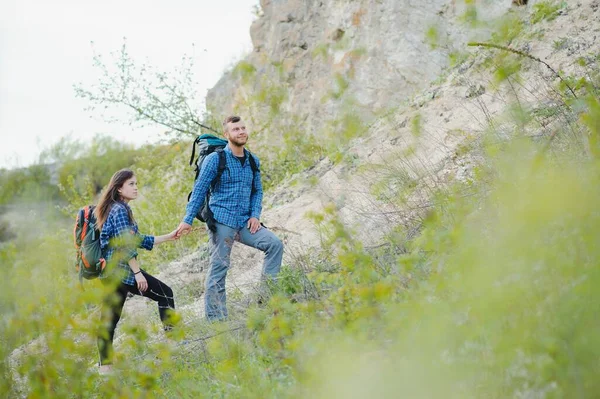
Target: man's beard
[239, 142]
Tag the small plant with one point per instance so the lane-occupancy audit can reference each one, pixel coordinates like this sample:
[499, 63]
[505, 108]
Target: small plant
[510, 28]
[321, 51]
[432, 36]
[560, 44]
[271, 96]
[245, 70]
[456, 58]
[546, 10]
[341, 84]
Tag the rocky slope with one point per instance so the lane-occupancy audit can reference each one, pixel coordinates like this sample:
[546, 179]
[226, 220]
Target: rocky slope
[452, 113]
[423, 143]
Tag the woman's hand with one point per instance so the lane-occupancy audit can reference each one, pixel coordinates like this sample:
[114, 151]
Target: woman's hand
[142, 283]
[172, 236]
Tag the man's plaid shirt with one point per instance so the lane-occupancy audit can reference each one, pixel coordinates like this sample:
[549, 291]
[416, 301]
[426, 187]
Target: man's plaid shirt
[234, 200]
[120, 237]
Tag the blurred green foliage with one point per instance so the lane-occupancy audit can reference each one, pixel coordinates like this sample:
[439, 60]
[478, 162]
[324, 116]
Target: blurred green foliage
[68, 163]
[94, 162]
[27, 184]
[494, 295]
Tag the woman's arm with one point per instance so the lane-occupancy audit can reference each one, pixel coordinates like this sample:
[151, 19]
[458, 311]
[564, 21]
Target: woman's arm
[165, 237]
[141, 281]
[148, 242]
[134, 265]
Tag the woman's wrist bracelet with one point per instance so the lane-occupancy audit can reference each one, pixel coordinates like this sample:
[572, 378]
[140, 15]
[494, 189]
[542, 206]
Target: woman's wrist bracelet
[138, 272]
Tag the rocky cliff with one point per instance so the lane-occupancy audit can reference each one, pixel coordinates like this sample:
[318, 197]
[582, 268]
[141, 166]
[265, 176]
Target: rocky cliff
[392, 172]
[315, 61]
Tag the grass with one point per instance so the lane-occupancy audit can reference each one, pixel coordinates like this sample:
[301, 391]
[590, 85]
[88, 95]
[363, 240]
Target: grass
[493, 295]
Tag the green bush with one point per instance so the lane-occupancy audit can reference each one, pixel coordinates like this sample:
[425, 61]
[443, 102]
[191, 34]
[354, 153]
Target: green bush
[94, 163]
[31, 184]
[495, 295]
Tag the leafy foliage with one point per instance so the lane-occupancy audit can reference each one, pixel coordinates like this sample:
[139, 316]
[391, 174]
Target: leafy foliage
[27, 184]
[494, 295]
[91, 163]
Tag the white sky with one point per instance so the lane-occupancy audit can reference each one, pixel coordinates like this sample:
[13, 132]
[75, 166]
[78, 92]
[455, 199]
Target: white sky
[45, 49]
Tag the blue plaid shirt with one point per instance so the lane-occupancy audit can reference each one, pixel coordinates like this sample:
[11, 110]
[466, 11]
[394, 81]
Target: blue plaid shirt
[120, 237]
[233, 200]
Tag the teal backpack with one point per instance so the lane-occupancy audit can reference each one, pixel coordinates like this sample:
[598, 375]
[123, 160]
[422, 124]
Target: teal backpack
[89, 261]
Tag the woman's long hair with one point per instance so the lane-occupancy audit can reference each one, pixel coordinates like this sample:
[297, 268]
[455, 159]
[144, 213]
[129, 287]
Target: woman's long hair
[110, 195]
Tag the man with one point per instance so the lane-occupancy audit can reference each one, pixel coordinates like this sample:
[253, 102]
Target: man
[236, 203]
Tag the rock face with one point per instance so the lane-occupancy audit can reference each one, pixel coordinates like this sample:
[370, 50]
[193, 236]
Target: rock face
[316, 60]
[452, 112]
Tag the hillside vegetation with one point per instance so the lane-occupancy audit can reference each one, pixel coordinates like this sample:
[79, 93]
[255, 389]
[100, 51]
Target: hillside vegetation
[449, 249]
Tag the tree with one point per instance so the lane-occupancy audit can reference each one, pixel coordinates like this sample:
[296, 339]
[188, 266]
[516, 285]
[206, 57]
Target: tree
[82, 165]
[150, 96]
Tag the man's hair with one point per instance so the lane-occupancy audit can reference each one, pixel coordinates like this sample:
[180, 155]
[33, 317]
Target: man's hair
[230, 119]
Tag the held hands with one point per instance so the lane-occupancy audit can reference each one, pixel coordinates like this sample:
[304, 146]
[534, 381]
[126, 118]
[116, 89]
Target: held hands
[183, 229]
[172, 236]
[254, 225]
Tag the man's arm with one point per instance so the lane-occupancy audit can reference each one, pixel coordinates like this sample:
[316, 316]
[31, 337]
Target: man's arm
[208, 172]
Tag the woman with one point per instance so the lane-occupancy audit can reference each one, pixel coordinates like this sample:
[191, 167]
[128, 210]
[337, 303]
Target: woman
[119, 239]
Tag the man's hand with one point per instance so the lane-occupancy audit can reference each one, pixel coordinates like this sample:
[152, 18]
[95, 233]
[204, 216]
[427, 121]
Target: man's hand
[253, 225]
[183, 229]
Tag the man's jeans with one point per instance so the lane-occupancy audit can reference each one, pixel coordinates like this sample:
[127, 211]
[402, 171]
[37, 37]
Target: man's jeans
[221, 242]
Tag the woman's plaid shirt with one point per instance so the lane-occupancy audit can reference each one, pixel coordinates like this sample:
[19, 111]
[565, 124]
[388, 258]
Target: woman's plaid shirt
[236, 197]
[120, 239]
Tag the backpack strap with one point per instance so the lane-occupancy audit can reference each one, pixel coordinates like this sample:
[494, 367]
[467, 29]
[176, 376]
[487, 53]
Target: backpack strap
[82, 224]
[86, 220]
[194, 151]
[253, 166]
[209, 220]
[220, 168]
[252, 162]
[78, 225]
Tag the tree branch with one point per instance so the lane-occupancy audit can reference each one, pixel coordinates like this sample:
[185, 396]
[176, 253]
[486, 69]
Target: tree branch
[523, 54]
[153, 119]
